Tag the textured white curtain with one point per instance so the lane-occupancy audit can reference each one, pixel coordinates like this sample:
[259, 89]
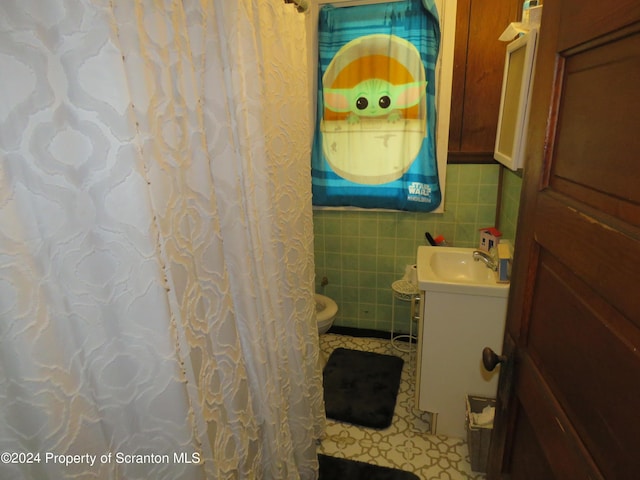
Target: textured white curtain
[156, 260]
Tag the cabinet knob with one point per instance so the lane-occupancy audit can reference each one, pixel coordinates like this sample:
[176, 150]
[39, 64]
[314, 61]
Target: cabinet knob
[490, 359]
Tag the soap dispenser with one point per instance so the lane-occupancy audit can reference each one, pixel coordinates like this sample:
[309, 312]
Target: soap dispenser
[504, 262]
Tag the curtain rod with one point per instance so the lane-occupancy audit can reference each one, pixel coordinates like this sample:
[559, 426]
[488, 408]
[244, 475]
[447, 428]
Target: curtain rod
[301, 5]
[351, 3]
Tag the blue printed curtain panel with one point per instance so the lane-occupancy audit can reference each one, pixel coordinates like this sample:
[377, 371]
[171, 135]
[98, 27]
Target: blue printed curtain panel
[374, 143]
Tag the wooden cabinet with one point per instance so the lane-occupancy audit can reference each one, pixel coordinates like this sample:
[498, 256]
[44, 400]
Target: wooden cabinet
[477, 77]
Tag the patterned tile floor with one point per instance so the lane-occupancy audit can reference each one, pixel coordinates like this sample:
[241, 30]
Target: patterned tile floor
[406, 444]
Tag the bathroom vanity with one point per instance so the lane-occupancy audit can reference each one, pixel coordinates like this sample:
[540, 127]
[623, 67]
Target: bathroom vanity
[463, 309]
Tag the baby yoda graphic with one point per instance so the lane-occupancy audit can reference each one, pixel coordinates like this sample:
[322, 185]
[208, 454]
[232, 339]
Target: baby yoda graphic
[374, 97]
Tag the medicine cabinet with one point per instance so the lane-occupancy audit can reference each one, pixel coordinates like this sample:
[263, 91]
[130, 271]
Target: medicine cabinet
[511, 137]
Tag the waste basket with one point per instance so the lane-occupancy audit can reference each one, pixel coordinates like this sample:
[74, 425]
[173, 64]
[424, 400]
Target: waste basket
[479, 430]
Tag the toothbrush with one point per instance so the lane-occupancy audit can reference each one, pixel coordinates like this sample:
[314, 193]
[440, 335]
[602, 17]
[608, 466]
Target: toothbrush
[430, 239]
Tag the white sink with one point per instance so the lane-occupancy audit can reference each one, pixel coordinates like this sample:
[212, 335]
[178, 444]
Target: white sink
[464, 310]
[452, 269]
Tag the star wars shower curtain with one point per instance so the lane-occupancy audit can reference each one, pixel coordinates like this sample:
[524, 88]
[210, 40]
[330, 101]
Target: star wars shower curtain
[374, 143]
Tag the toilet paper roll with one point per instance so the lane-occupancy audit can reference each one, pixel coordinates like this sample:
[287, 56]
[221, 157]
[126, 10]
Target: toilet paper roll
[413, 275]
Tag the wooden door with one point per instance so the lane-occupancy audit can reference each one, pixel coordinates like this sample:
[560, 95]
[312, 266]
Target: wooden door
[569, 395]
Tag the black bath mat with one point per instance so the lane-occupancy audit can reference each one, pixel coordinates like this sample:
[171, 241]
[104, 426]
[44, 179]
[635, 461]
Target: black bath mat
[332, 468]
[361, 387]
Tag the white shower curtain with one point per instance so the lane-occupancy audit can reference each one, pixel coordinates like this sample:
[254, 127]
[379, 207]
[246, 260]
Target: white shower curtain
[156, 260]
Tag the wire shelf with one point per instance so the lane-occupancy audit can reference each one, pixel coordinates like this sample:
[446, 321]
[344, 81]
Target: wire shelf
[407, 292]
[404, 290]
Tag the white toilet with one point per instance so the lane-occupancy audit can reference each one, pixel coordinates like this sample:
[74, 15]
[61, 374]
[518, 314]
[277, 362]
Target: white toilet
[326, 311]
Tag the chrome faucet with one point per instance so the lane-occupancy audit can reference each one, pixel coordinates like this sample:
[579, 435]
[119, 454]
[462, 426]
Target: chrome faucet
[486, 258]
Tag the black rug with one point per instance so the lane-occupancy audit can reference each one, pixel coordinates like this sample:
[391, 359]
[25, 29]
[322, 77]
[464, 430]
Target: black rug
[361, 387]
[332, 468]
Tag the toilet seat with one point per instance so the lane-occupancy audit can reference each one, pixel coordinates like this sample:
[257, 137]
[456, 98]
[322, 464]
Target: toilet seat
[326, 310]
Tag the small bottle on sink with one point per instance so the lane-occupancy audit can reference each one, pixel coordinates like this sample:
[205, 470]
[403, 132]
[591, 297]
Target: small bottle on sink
[441, 242]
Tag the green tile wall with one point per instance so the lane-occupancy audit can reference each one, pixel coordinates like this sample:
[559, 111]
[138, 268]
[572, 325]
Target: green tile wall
[511, 186]
[363, 252]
